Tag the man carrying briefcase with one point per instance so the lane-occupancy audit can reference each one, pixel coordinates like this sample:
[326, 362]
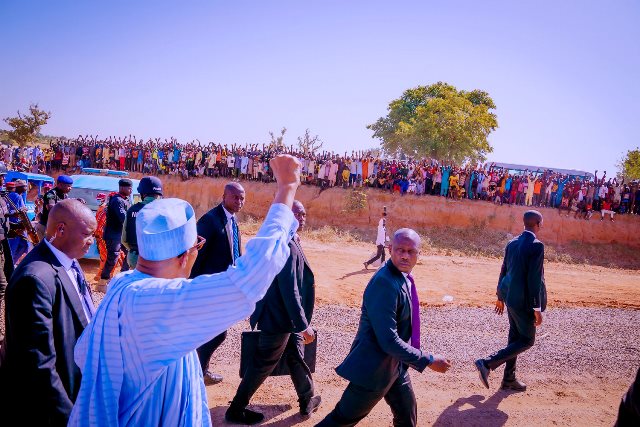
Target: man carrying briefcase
[249, 344]
[283, 317]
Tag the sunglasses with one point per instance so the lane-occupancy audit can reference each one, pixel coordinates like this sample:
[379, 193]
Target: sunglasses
[199, 244]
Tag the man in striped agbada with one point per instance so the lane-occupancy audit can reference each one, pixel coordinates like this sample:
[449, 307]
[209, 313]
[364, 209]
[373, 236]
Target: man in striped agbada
[137, 357]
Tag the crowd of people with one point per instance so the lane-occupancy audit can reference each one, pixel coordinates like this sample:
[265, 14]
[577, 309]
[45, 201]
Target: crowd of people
[580, 196]
[141, 356]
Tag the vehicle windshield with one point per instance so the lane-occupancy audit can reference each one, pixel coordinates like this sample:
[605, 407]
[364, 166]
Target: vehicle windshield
[89, 196]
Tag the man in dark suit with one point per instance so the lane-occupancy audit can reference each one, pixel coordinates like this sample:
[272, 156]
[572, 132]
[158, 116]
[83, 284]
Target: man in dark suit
[48, 306]
[283, 317]
[220, 227]
[521, 287]
[387, 343]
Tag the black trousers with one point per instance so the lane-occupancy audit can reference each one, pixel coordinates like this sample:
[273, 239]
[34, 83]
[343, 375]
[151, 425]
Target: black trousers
[428, 186]
[272, 347]
[113, 252]
[522, 334]
[6, 268]
[629, 410]
[380, 254]
[206, 350]
[356, 403]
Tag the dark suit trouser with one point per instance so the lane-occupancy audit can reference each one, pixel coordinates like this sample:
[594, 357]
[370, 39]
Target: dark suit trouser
[356, 403]
[206, 350]
[629, 410]
[271, 347]
[380, 254]
[522, 334]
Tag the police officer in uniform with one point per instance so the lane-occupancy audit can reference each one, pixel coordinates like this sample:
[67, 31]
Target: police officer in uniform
[53, 196]
[6, 262]
[150, 189]
[112, 235]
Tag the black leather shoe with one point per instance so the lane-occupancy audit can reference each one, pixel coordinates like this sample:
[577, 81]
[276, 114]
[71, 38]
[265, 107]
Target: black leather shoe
[210, 378]
[513, 385]
[483, 371]
[310, 406]
[243, 416]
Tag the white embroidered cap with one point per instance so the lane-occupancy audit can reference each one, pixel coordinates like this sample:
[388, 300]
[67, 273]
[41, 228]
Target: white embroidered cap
[165, 229]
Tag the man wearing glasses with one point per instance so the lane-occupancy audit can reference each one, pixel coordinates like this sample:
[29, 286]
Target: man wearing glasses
[137, 357]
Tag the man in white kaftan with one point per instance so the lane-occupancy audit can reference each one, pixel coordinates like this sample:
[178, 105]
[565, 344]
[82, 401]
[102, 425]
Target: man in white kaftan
[137, 357]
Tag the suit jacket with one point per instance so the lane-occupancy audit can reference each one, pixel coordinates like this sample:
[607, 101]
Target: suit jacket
[521, 284]
[215, 256]
[381, 347]
[288, 304]
[44, 319]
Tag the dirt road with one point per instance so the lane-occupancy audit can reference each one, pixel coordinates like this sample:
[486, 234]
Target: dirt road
[586, 352]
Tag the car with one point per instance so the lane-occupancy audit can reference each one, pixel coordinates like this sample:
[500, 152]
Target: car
[87, 187]
[36, 180]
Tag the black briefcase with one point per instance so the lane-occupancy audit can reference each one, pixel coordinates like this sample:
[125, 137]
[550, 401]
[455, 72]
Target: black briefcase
[249, 344]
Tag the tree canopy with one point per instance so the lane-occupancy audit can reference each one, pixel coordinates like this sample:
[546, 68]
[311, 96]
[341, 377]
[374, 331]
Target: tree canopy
[629, 165]
[438, 121]
[25, 128]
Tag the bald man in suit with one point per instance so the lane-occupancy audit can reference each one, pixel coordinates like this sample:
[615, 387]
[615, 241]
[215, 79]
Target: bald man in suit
[48, 306]
[387, 343]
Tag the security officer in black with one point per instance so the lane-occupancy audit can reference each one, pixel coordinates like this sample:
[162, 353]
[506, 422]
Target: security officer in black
[150, 189]
[6, 262]
[53, 196]
[112, 235]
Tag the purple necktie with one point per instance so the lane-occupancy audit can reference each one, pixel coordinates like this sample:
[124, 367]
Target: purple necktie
[415, 314]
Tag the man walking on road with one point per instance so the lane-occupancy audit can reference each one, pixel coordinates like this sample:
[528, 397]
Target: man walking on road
[521, 287]
[387, 343]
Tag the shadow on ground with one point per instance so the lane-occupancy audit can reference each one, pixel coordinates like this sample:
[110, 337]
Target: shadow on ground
[269, 412]
[474, 411]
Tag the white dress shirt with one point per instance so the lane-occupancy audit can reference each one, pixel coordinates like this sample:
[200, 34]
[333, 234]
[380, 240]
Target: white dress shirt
[229, 228]
[66, 264]
[381, 238]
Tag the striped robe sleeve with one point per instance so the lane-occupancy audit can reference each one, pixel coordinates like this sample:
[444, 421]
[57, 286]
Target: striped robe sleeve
[173, 317]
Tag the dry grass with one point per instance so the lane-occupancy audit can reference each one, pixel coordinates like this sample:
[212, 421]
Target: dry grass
[324, 234]
[477, 241]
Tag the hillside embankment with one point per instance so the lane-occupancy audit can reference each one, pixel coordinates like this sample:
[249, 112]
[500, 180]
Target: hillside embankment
[418, 212]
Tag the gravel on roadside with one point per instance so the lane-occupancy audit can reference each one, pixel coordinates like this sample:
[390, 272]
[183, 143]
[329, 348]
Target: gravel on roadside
[571, 341]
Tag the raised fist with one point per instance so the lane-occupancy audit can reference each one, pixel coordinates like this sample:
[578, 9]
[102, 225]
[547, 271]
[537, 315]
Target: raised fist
[286, 169]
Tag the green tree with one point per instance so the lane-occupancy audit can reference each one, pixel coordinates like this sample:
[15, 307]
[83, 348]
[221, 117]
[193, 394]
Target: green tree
[629, 165]
[25, 128]
[438, 121]
[308, 143]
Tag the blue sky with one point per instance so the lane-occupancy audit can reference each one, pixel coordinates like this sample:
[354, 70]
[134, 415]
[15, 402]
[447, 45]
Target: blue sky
[564, 74]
